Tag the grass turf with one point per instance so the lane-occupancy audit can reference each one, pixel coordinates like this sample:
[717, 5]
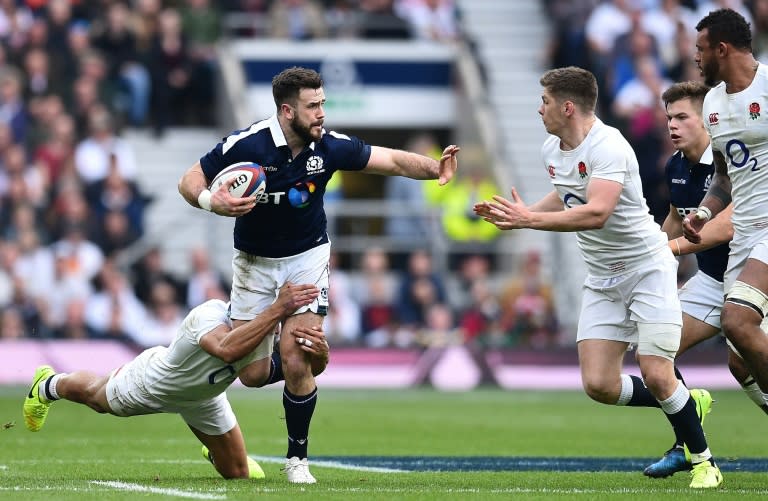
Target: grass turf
[80, 455]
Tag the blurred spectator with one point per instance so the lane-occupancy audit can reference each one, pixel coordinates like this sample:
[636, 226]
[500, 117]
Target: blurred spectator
[114, 311]
[527, 307]
[471, 185]
[115, 38]
[171, 69]
[379, 21]
[73, 325]
[205, 282]
[569, 45]
[439, 329]
[760, 38]
[115, 193]
[420, 287]
[15, 22]
[479, 319]
[663, 22]
[13, 110]
[164, 315]
[12, 323]
[56, 152]
[342, 324]
[202, 24]
[114, 233]
[434, 20]
[297, 20]
[35, 265]
[342, 18]
[82, 259]
[408, 194]
[102, 149]
[628, 49]
[148, 270]
[607, 22]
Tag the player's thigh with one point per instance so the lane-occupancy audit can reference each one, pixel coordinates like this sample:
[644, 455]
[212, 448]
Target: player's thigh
[747, 299]
[212, 417]
[694, 332]
[601, 361]
[125, 391]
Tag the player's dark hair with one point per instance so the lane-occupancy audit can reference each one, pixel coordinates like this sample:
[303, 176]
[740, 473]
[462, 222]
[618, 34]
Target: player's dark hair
[287, 84]
[572, 84]
[727, 25]
[695, 91]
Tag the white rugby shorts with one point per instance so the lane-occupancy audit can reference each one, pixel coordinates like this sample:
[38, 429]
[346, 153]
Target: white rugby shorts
[612, 307]
[256, 280]
[702, 298]
[754, 248]
[128, 395]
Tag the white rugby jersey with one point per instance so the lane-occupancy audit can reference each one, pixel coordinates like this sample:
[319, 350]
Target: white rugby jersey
[738, 126]
[630, 235]
[184, 371]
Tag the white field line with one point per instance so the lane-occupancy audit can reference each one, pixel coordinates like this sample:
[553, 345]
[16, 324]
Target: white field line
[331, 464]
[362, 490]
[124, 486]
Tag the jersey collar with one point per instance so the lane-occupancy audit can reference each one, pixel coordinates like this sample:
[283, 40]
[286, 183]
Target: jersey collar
[277, 133]
[706, 157]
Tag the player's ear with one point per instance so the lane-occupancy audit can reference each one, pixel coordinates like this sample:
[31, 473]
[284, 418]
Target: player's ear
[287, 110]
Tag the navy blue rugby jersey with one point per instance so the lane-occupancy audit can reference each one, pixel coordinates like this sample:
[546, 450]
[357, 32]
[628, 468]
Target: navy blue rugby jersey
[688, 183]
[289, 218]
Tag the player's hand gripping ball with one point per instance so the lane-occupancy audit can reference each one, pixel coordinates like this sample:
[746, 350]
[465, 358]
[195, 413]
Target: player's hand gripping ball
[250, 179]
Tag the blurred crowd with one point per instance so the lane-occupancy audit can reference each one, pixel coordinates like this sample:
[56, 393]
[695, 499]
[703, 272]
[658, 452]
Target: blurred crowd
[74, 74]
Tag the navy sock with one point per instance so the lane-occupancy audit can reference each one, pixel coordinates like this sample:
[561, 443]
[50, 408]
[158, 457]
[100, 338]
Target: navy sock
[641, 396]
[685, 426]
[275, 369]
[298, 414]
[679, 375]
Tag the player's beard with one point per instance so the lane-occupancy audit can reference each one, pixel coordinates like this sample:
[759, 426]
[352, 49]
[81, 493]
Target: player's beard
[303, 131]
[710, 71]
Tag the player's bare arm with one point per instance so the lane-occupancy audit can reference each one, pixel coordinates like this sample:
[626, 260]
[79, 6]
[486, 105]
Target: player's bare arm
[391, 162]
[193, 186]
[716, 232]
[718, 197]
[232, 345]
[602, 197]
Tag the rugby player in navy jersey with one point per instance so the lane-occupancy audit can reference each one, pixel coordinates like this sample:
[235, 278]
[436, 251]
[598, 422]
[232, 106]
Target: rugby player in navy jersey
[281, 235]
[688, 173]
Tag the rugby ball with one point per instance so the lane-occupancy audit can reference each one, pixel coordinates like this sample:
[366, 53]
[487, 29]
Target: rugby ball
[250, 179]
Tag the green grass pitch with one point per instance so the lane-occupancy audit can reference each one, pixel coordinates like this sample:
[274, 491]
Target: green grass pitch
[81, 455]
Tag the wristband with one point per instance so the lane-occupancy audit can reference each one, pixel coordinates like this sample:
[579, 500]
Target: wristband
[204, 200]
[703, 213]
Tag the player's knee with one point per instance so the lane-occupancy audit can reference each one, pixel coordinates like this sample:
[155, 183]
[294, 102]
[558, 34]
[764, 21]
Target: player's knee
[599, 389]
[745, 307]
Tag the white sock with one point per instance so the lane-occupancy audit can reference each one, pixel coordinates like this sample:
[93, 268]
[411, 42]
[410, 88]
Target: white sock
[705, 455]
[47, 389]
[626, 390]
[753, 391]
[677, 400]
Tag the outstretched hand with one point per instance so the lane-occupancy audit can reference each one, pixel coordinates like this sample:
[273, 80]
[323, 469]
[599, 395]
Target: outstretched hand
[224, 204]
[503, 213]
[448, 164]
